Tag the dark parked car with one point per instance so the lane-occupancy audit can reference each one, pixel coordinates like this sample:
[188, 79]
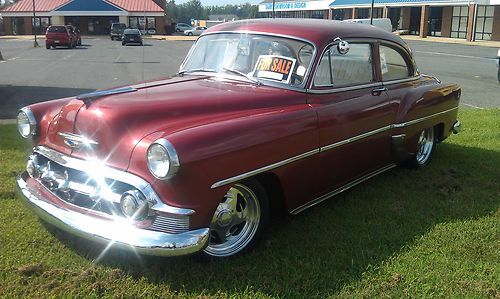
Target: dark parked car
[75, 32]
[60, 36]
[498, 66]
[264, 116]
[131, 36]
[116, 30]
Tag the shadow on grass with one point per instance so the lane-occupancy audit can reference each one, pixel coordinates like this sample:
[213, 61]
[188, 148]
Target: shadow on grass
[324, 248]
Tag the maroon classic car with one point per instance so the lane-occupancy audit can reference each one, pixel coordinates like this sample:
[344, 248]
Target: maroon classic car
[263, 115]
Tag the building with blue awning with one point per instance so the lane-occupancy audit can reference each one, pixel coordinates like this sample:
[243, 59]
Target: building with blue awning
[89, 16]
[471, 20]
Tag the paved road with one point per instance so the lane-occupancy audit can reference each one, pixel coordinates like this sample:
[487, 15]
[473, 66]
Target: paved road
[473, 67]
[31, 75]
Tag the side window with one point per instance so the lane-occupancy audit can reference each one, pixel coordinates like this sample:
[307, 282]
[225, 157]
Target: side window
[353, 68]
[393, 65]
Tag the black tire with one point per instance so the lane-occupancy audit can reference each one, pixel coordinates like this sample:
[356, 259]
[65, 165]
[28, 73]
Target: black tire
[112, 38]
[240, 217]
[141, 44]
[47, 47]
[123, 44]
[424, 151]
[79, 42]
[190, 34]
[498, 75]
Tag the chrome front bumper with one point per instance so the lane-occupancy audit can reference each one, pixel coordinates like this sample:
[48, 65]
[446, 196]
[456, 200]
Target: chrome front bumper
[117, 233]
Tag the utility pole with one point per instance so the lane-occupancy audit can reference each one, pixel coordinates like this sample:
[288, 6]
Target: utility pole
[273, 7]
[371, 13]
[33, 26]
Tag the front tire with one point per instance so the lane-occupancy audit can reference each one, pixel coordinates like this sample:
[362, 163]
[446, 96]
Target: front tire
[425, 148]
[190, 34]
[238, 220]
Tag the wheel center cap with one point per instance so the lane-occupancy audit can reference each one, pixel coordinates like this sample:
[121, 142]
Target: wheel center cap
[224, 218]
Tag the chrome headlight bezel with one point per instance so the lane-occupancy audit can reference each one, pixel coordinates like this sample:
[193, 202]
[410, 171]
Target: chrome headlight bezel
[170, 159]
[28, 120]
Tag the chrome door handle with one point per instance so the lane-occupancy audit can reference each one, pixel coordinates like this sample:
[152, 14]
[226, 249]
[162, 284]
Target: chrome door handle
[377, 91]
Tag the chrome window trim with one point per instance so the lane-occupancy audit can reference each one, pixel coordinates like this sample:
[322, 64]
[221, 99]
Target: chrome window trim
[343, 89]
[323, 149]
[397, 81]
[301, 87]
[341, 189]
[263, 169]
[370, 41]
[114, 174]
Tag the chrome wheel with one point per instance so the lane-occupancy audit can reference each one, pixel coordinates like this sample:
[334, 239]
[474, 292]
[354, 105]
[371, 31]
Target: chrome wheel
[425, 146]
[235, 222]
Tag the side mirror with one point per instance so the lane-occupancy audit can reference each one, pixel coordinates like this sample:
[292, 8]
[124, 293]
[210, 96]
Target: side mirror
[342, 46]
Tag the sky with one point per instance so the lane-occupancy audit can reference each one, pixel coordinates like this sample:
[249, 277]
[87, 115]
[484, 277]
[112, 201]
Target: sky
[221, 2]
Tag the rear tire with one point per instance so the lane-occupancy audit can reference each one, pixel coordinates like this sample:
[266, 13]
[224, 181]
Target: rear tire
[425, 148]
[498, 75]
[47, 47]
[238, 221]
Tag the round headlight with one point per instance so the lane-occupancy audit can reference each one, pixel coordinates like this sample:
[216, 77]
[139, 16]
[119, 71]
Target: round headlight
[26, 123]
[163, 161]
[134, 205]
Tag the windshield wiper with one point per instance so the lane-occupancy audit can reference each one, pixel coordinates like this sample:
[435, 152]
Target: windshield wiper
[254, 80]
[203, 70]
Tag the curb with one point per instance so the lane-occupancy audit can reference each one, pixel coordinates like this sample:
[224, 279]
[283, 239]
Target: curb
[448, 40]
[7, 121]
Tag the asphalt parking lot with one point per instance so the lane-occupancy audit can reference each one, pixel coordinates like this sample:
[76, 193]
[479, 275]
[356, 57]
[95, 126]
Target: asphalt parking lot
[31, 75]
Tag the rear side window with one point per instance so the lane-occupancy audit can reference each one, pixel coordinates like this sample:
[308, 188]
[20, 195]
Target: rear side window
[393, 65]
[353, 68]
[59, 29]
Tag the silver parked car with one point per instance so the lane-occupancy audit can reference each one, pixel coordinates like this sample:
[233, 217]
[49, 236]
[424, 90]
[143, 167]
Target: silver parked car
[196, 31]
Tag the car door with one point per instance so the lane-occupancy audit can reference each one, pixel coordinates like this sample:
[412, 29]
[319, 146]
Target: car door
[355, 115]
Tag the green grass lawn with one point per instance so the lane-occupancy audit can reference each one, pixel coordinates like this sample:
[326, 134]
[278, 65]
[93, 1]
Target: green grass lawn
[406, 233]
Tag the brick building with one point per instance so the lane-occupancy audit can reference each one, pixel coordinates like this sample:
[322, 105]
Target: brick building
[92, 17]
[471, 20]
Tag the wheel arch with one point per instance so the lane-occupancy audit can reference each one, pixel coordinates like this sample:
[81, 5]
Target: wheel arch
[274, 189]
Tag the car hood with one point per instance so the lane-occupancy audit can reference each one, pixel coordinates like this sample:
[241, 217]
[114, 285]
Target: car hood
[113, 125]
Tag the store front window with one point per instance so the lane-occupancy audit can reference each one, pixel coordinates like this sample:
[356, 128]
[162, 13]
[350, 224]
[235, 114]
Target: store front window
[484, 22]
[459, 22]
[363, 13]
[142, 23]
[318, 14]
[40, 24]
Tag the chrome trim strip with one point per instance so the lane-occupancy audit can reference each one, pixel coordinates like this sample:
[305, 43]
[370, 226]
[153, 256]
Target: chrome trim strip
[117, 233]
[341, 189]
[342, 89]
[412, 122]
[97, 94]
[355, 138]
[323, 149]
[263, 169]
[76, 141]
[115, 174]
[402, 80]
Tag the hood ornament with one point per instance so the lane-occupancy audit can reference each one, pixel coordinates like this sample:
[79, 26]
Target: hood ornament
[77, 141]
[88, 98]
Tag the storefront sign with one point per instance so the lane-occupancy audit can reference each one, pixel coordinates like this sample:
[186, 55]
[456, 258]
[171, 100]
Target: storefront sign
[295, 6]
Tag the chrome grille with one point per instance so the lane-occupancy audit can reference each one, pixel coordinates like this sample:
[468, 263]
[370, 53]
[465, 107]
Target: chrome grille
[170, 224]
[80, 188]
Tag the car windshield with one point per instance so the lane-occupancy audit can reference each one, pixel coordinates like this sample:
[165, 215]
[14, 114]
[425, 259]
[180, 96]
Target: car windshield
[131, 32]
[262, 58]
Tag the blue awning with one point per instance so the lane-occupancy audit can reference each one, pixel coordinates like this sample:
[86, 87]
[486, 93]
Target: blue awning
[88, 5]
[354, 3]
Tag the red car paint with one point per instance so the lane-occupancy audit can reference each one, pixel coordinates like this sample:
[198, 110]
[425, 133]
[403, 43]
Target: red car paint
[223, 128]
[60, 36]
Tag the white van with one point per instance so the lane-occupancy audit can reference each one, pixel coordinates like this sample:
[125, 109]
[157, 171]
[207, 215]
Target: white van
[384, 24]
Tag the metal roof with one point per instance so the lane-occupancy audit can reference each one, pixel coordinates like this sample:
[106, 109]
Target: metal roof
[83, 5]
[40, 5]
[137, 5]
